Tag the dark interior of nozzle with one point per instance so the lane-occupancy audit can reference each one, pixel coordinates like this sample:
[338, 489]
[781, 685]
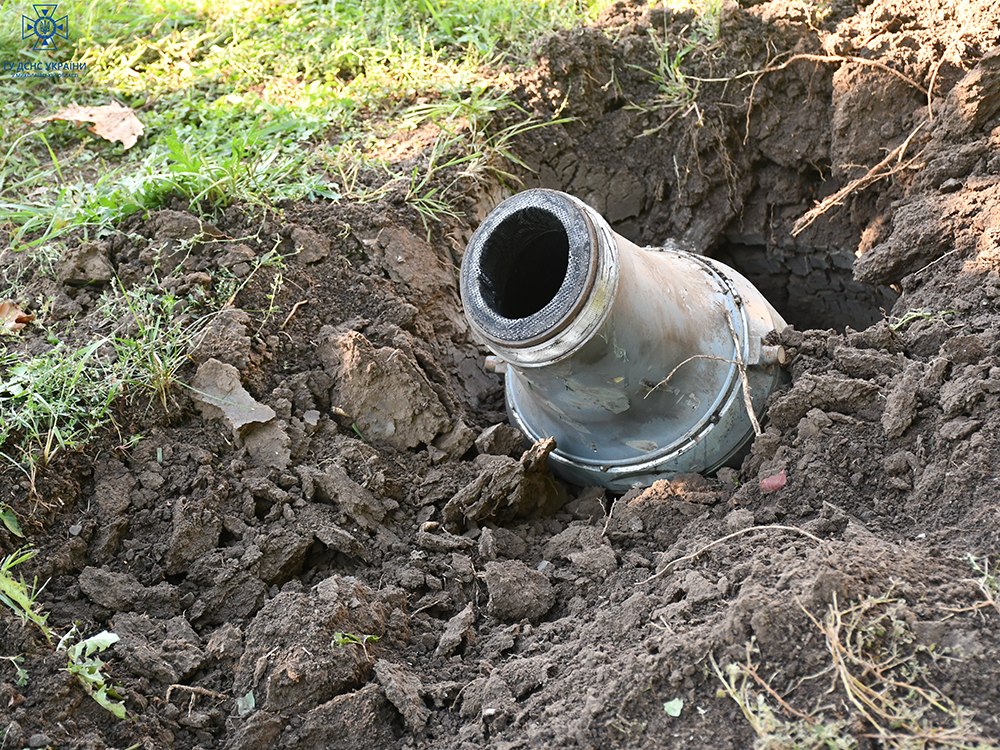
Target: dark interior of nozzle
[523, 263]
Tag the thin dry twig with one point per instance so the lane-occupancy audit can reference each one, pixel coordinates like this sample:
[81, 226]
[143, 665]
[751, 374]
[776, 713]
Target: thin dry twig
[930, 86]
[607, 520]
[971, 608]
[990, 600]
[681, 364]
[744, 380]
[871, 176]
[723, 539]
[195, 690]
[292, 312]
[936, 261]
[986, 584]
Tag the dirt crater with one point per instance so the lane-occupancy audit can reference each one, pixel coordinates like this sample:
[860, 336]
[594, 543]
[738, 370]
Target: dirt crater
[371, 487]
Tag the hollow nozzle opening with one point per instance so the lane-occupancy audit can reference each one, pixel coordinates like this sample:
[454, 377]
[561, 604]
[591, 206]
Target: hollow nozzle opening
[529, 269]
[523, 263]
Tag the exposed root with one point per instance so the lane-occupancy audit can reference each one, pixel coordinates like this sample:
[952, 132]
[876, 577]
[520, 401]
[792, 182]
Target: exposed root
[879, 172]
[757, 75]
[681, 364]
[750, 669]
[819, 59]
[195, 691]
[882, 686]
[722, 540]
[294, 309]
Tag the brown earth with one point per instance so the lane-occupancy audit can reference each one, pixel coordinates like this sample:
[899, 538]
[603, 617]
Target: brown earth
[338, 468]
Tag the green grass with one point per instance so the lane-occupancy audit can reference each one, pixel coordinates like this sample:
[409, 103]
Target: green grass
[151, 341]
[254, 101]
[675, 90]
[18, 595]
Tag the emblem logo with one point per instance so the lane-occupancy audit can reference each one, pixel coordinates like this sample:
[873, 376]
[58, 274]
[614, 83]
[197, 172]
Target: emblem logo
[45, 27]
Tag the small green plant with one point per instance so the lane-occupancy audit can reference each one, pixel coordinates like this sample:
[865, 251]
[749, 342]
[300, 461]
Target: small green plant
[10, 520]
[18, 595]
[227, 286]
[83, 662]
[988, 582]
[342, 640]
[708, 27]
[674, 90]
[21, 675]
[18, 269]
[425, 193]
[910, 316]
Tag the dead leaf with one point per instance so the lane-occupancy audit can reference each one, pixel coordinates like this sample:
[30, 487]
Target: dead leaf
[112, 122]
[219, 392]
[12, 317]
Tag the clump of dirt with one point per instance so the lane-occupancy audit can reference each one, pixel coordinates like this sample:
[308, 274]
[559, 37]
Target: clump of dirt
[334, 540]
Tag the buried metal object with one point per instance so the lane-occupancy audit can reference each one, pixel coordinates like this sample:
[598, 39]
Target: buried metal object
[639, 362]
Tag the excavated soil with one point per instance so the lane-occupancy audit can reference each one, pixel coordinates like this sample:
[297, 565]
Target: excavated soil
[341, 462]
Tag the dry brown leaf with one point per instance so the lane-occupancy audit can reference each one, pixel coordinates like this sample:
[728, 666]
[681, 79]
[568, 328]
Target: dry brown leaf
[12, 317]
[112, 122]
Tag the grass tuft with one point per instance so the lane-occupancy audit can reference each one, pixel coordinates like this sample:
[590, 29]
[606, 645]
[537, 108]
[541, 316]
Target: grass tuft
[60, 399]
[52, 402]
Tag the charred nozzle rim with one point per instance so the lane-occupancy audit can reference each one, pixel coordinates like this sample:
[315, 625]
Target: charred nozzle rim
[529, 269]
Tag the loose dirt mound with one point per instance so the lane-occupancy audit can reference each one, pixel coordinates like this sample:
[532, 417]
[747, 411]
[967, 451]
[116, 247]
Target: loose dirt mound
[328, 541]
